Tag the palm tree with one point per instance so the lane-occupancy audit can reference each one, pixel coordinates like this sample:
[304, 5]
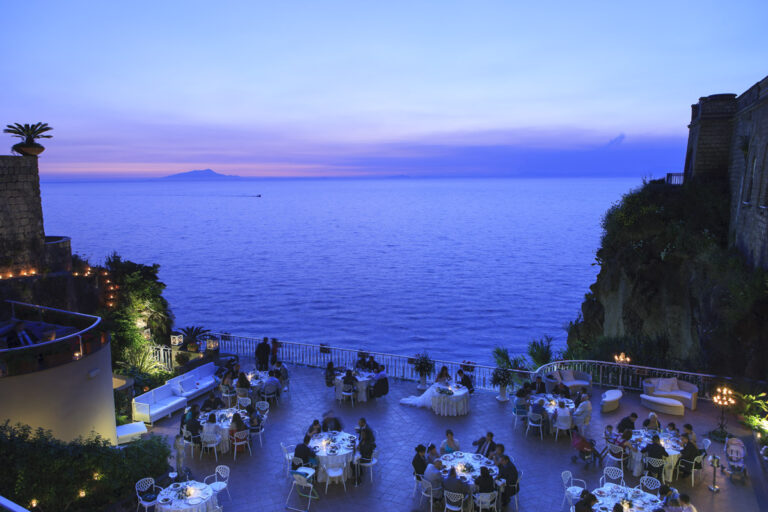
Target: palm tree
[193, 333]
[29, 133]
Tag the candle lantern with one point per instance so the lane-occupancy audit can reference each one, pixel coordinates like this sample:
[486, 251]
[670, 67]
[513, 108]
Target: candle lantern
[176, 339]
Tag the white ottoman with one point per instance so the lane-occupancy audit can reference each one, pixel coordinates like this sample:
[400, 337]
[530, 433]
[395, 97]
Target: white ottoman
[661, 404]
[130, 432]
[610, 400]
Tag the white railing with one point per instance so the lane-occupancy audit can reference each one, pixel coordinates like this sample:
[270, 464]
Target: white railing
[164, 356]
[604, 374]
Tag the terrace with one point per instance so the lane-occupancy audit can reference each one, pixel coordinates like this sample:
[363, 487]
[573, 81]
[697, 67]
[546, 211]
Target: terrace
[258, 482]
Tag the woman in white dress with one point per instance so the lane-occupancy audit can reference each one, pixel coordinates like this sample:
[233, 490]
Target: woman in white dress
[425, 399]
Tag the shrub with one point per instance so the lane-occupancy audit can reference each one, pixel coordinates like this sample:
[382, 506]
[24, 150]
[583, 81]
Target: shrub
[423, 364]
[502, 377]
[540, 351]
[182, 358]
[35, 465]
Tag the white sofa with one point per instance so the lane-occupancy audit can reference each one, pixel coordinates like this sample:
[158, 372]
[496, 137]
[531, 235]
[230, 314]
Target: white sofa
[195, 382]
[157, 403]
[573, 380]
[680, 390]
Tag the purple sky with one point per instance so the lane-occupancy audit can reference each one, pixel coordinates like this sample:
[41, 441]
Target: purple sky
[339, 88]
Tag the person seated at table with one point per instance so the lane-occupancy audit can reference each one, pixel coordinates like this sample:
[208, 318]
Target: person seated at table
[465, 380]
[585, 504]
[485, 445]
[281, 372]
[380, 372]
[237, 425]
[193, 428]
[449, 444]
[528, 389]
[226, 385]
[361, 363]
[673, 505]
[582, 415]
[689, 452]
[243, 386]
[432, 453]
[434, 476]
[331, 423]
[496, 455]
[271, 384]
[656, 451]
[254, 418]
[685, 502]
[419, 461]
[371, 364]
[443, 376]
[618, 507]
[211, 403]
[652, 422]
[577, 396]
[539, 386]
[521, 401]
[561, 390]
[485, 482]
[508, 472]
[363, 427]
[452, 483]
[365, 450]
[561, 412]
[193, 411]
[314, 428]
[672, 429]
[305, 453]
[627, 423]
[667, 493]
[210, 426]
[688, 429]
[349, 382]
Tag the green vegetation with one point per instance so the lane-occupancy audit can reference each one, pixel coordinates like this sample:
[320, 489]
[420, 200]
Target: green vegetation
[424, 365]
[540, 351]
[193, 336]
[35, 466]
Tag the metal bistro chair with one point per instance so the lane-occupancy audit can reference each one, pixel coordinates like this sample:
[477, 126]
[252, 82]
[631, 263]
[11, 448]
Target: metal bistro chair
[453, 501]
[263, 408]
[429, 492]
[241, 439]
[616, 454]
[287, 456]
[572, 491]
[517, 488]
[243, 402]
[220, 480]
[208, 441]
[257, 431]
[146, 499]
[535, 421]
[416, 481]
[374, 460]
[486, 501]
[520, 412]
[228, 397]
[696, 465]
[563, 423]
[650, 484]
[348, 391]
[335, 472]
[270, 393]
[655, 468]
[612, 473]
[305, 488]
[189, 440]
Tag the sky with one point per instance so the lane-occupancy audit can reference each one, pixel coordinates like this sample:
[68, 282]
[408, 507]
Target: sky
[350, 88]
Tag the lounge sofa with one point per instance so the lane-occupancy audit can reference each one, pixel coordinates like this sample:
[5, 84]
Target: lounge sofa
[573, 380]
[195, 382]
[680, 390]
[157, 403]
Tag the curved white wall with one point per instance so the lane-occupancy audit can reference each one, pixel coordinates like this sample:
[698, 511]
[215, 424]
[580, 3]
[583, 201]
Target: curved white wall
[71, 400]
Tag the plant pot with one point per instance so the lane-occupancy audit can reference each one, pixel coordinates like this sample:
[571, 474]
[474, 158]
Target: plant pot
[422, 383]
[28, 149]
[502, 396]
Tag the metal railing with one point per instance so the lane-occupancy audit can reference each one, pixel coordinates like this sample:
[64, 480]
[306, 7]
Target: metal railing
[604, 374]
[675, 178]
[164, 356]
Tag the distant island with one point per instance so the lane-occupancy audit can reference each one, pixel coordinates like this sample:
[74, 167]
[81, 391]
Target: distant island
[201, 175]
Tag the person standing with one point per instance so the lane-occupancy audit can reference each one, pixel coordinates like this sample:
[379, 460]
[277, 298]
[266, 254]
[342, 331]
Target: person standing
[262, 355]
[275, 348]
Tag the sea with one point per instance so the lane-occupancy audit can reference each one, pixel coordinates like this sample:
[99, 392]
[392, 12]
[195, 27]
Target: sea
[455, 267]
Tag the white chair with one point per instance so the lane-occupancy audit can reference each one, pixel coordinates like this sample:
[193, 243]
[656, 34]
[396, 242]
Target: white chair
[705, 444]
[142, 486]
[520, 413]
[656, 467]
[572, 491]
[612, 473]
[243, 402]
[453, 501]
[374, 460]
[697, 461]
[563, 423]
[616, 454]
[263, 408]
[271, 392]
[335, 473]
[485, 501]
[257, 431]
[241, 439]
[287, 456]
[431, 493]
[534, 420]
[650, 484]
[208, 441]
[416, 481]
[516, 485]
[220, 480]
[229, 397]
[305, 488]
[348, 392]
[189, 440]
[242, 392]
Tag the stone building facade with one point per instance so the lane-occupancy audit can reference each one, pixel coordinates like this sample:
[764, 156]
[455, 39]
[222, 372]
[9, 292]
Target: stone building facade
[728, 141]
[21, 215]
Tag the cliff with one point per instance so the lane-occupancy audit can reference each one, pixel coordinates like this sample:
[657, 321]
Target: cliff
[670, 292]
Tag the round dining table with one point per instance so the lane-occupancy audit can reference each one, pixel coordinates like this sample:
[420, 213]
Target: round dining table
[550, 405]
[189, 496]
[364, 380]
[223, 423]
[451, 400]
[610, 494]
[642, 438]
[333, 449]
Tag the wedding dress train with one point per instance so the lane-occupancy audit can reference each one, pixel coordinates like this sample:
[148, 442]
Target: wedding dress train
[425, 399]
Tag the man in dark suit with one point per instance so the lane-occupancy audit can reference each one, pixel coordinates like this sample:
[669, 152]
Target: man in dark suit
[20, 337]
[452, 483]
[689, 452]
[539, 386]
[304, 452]
[656, 451]
[362, 426]
[508, 472]
[627, 423]
[465, 380]
[262, 355]
[485, 445]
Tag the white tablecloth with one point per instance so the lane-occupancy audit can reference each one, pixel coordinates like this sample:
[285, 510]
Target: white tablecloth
[456, 404]
[224, 417]
[610, 494]
[333, 449]
[364, 379]
[641, 439]
[467, 466]
[257, 380]
[201, 498]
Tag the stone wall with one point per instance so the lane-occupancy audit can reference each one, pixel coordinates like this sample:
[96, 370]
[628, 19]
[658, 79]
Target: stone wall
[710, 137]
[21, 214]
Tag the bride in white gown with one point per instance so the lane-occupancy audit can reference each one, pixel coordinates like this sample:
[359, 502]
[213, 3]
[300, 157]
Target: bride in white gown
[425, 399]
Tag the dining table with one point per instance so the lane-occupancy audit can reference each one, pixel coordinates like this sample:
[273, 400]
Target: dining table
[256, 379]
[467, 466]
[223, 423]
[333, 449]
[670, 442]
[634, 499]
[450, 399]
[191, 496]
[550, 405]
[364, 378]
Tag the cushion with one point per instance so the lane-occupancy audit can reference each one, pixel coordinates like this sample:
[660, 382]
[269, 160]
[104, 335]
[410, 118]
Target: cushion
[677, 393]
[578, 383]
[555, 375]
[188, 385]
[566, 375]
[666, 384]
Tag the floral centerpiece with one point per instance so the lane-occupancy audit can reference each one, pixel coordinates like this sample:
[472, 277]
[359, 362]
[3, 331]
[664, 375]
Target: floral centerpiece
[503, 378]
[424, 366]
[468, 366]
[444, 391]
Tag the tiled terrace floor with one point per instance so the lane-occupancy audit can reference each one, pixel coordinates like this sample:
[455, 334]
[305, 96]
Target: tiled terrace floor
[258, 482]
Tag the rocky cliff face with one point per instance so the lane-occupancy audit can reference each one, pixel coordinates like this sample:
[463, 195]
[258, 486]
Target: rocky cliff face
[669, 292]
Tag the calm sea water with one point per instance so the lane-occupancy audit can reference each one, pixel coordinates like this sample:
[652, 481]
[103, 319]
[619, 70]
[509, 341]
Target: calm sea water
[452, 266]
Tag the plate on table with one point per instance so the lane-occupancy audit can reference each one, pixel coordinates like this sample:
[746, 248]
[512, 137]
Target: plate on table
[600, 493]
[175, 485]
[165, 499]
[487, 463]
[458, 454]
[463, 478]
[194, 501]
[447, 456]
[477, 456]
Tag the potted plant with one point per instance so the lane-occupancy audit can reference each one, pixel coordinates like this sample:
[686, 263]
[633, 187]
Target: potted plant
[424, 366]
[502, 377]
[29, 133]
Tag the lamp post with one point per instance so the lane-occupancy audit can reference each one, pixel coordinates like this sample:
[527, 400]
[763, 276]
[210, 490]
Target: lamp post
[714, 461]
[723, 398]
[622, 360]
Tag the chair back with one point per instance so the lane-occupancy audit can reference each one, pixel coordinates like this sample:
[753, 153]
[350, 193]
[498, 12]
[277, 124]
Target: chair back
[567, 477]
[348, 388]
[297, 462]
[654, 463]
[454, 498]
[613, 473]
[242, 392]
[650, 483]
[534, 419]
[144, 484]
[705, 444]
[485, 499]
[564, 422]
[243, 402]
[209, 438]
[222, 473]
[300, 479]
[241, 436]
[615, 451]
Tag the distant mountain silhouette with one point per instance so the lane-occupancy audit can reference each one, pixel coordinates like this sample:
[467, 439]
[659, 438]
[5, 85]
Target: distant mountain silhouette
[201, 175]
